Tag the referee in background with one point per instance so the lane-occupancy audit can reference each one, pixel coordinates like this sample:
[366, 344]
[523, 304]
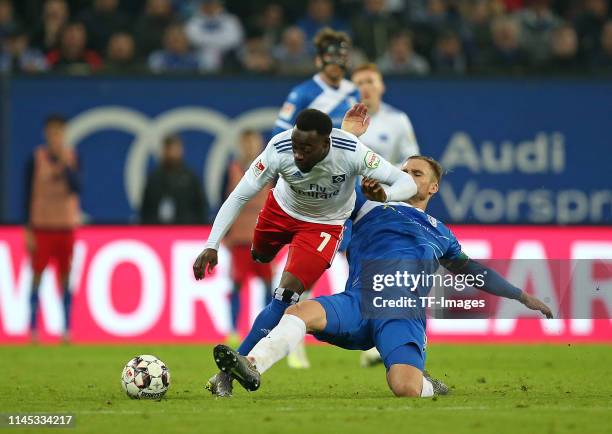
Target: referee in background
[52, 210]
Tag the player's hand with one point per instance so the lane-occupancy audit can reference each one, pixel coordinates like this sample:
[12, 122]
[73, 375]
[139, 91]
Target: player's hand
[535, 303]
[356, 121]
[373, 190]
[205, 262]
[30, 241]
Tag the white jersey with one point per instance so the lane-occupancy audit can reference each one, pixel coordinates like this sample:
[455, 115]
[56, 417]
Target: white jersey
[326, 194]
[391, 135]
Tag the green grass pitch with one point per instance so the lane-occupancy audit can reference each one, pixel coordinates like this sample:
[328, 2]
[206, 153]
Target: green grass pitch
[495, 389]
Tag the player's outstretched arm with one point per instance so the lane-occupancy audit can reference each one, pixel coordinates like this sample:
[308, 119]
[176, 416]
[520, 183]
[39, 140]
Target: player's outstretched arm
[356, 121]
[207, 260]
[494, 283]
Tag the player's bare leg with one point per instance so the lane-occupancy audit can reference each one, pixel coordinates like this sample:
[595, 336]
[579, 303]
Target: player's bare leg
[409, 381]
[34, 306]
[67, 302]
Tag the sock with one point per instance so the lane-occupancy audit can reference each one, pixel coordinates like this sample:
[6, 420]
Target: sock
[33, 305]
[267, 319]
[67, 308]
[427, 390]
[235, 304]
[280, 341]
[268, 294]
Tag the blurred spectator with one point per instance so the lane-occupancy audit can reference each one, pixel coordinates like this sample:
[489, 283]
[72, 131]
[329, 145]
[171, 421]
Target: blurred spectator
[214, 32]
[320, 14]
[54, 18]
[52, 213]
[101, 21]
[121, 54]
[590, 22]
[441, 15]
[72, 56]
[240, 236]
[173, 193]
[255, 56]
[506, 54]
[564, 53]
[479, 17]
[176, 56]
[537, 22]
[292, 54]
[373, 28]
[270, 23]
[17, 56]
[7, 18]
[401, 58]
[448, 57]
[150, 26]
[602, 61]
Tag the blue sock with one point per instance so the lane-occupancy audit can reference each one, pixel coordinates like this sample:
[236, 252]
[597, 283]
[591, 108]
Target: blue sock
[267, 319]
[67, 308]
[268, 294]
[235, 304]
[33, 305]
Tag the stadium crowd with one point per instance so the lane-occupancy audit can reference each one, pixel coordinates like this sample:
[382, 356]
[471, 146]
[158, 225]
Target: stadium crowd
[412, 37]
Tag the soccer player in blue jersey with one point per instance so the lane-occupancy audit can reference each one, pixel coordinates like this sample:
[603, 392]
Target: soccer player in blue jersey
[328, 90]
[389, 233]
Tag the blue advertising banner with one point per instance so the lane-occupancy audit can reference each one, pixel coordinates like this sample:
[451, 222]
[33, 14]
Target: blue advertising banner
[515, 151]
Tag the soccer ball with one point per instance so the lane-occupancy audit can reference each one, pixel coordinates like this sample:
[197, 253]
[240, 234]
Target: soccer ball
[145, 377]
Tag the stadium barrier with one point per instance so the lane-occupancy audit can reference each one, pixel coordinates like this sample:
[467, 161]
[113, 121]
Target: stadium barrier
[516, 151]
[135, 284]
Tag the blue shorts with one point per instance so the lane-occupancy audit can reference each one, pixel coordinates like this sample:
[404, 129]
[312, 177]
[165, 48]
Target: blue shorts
[399, 341]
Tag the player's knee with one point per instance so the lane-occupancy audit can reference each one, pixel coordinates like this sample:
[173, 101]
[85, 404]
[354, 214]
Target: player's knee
[402, 388]
[261, 258]
[311, 313]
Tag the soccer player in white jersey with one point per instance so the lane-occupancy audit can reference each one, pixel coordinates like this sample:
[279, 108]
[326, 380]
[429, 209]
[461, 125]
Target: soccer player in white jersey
[390, 133]
[317, 166]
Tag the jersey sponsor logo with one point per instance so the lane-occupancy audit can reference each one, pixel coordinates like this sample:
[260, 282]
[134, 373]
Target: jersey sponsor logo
[297, 175]
[259, 168]
[372, 160]
[287, 111]
[315, 191]
[433, 221]
[337, 179]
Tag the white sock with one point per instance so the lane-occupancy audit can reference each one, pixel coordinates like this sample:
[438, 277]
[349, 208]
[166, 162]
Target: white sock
[427, 390]
[280, 341]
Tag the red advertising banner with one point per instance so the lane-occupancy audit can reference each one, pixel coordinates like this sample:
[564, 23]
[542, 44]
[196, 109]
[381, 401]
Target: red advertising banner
[135, 284]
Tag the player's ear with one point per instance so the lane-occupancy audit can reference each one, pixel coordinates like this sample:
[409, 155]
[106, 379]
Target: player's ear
[318, 62]
[433, 188]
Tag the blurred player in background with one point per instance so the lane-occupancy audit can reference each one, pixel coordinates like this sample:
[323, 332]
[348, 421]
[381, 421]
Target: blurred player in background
[327, 91]
[53, 212]
[390, 134]
[240, 236]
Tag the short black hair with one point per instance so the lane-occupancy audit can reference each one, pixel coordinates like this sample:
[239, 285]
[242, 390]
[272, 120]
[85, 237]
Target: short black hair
[313, 119]
[55, 118]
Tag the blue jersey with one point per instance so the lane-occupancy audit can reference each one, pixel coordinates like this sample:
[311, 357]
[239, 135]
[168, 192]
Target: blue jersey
[399, 232]
[315, 93]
